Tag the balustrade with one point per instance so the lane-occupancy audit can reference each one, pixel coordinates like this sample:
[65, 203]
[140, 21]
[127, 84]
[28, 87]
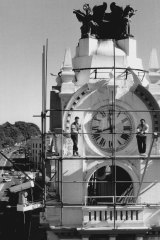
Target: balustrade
[106, 216]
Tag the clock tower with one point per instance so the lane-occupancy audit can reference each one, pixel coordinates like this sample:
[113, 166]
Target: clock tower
[105, 190]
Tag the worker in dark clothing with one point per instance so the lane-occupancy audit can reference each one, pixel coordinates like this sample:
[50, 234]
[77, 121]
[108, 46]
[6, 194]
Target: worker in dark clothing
[75, 127]
[142, 129]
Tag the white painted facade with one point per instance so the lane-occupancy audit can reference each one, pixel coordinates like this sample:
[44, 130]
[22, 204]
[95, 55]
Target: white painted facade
[84, 91]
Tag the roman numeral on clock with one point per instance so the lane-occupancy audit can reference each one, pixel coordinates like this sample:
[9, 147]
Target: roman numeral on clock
[119, 142]
[96, 136]
[125, 136]
[127, 128]
[95, 128]
[110, 144]
[102, 142]
[96, 119]
[124, 120]
[118, 113]
[103, 113]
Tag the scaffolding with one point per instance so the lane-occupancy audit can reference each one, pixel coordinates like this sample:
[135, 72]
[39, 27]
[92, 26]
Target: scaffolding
[127, 196]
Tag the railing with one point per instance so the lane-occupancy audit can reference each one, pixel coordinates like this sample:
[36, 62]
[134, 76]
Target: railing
[109, 200]
[104, 217]
[105, 72]
[123, 216]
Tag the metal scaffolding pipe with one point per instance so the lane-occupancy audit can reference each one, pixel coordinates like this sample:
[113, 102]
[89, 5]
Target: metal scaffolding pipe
[155, 136]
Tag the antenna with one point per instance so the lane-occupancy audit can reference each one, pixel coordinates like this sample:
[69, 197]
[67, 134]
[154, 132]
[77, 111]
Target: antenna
[43, 116]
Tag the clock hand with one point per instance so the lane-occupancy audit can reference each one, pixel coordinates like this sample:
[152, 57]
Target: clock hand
[106, 129]
[102, 130]
[109, 128]
[110, 121]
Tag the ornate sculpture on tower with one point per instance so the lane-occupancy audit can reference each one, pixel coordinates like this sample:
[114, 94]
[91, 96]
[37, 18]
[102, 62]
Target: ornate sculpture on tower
[105, 25]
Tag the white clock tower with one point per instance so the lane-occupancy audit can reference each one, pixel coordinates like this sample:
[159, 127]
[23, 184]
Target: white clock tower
[108, 191]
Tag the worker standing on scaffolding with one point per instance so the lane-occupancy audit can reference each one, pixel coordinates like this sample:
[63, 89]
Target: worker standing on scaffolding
[142, 130]
[75, 127]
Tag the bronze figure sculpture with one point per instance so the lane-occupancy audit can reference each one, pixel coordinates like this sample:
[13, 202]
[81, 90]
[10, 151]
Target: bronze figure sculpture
[100, 24]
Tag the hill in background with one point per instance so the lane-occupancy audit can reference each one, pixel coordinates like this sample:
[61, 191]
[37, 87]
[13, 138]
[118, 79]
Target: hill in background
[18, 132]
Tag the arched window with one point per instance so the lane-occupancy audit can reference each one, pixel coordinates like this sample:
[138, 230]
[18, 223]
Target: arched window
[109, 184]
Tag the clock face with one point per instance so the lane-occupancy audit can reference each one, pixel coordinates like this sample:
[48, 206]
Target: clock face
[102, 130]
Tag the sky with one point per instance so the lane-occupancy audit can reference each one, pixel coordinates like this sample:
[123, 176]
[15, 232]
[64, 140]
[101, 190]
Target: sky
[24, 27]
